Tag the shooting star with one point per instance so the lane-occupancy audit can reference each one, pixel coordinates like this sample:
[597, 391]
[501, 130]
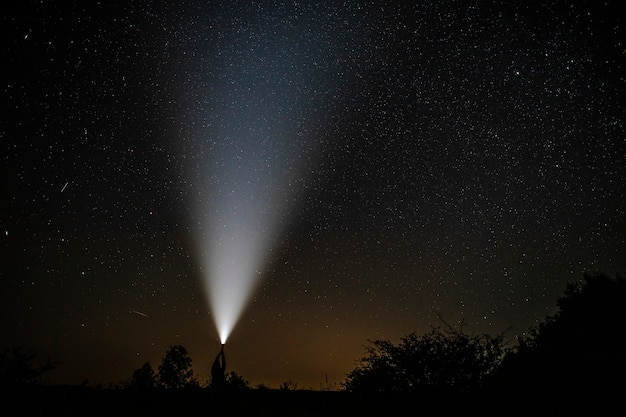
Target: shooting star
[65, 186]
[140, 313]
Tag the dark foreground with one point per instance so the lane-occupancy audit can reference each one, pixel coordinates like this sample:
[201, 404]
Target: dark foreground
[83, 401]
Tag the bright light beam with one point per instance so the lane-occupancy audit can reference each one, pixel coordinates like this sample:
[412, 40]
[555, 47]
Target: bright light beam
[244, 219]
[240, 235]
[249, 159]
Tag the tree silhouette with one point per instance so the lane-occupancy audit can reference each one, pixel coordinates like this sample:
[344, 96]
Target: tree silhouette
[578, 351]
[440, 359]
[17, 368]
[143, 379]
[175, 369]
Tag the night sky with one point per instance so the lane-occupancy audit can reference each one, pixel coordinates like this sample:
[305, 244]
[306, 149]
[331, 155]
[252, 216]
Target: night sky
[397, 161]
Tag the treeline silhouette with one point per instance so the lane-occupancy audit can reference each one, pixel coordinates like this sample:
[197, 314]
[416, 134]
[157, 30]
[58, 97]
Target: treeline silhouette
[175, 373]
[573, 361]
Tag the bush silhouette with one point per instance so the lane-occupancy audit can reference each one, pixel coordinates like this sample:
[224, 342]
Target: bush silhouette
[440, 359]
[288, 385]
[234, 381]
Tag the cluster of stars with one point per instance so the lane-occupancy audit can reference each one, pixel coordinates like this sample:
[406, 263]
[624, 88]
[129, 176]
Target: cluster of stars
[432, 159]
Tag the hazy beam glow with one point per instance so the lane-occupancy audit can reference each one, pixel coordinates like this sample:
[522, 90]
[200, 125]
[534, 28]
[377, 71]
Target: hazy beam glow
[233, 269]
[248, 163]
[239, 238]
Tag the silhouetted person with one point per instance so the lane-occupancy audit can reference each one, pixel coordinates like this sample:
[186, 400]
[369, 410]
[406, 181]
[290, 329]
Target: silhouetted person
[218, 370]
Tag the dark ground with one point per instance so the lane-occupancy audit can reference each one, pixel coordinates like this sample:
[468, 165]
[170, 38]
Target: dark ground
[88, 401]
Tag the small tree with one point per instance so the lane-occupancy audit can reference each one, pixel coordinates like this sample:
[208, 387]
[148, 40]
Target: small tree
[442, 359]
[175, 370]
[17, 368]
[143, 379]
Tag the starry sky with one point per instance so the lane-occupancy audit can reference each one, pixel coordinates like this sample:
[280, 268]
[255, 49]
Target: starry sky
[403, 161]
